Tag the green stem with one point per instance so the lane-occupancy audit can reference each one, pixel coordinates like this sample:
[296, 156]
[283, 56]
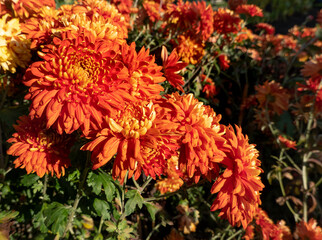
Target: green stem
[296, 216]
[78, 195]
[44, 191]
[123, 197]
[154, 229]
[101, 224]
[148, 180]
[235, 234]
[307, 156]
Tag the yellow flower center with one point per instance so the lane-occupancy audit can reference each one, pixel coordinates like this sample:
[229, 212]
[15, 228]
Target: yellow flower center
[134, 121]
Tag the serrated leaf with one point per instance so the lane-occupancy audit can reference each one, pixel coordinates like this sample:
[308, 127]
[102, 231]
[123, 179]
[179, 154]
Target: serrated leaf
[96, 181]
[111, 226]
[56, 215]
[102, 208]
[152, 209]
[135, 199]
[29, 180]
[73, 176]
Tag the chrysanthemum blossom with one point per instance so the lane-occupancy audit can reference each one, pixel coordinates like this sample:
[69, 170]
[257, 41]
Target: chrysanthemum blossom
[239, 186]
[191, 19]
[171, 67]
[133, 135]
[24, 9]
[269, 29]
[273, 97]
[250, 10]
[287, 143]
[313, 67]
[190, 50]
[173, 180]
[144, 74]
[226, 21]
[201, 135]
[308, 230]
[77, 83]
[14, 47]
[38, 149]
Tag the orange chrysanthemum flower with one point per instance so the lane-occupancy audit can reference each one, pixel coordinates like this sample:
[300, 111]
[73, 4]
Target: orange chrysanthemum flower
[193, 19]
[78, 82]
[137, 140]
[152, 10]
[173, 180]
[171, 67]
[201, 135]
[273, 96]
[308, 230]
[124, 7]
[209, 88]
[98, 17]
[226, 21]
[269, 29]
[104, 9]
[190, 50]
[38, 149]
[313, 67]
[287, 143]
[223, 61]
[313, 85]
[43, 26]
[239, 186]
[24, 9]
[266, 229]
[250, 10]
[144, 74]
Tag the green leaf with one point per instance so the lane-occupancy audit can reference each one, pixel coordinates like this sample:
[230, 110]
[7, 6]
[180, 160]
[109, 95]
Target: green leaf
[152, 209]
[102, 208]
[29, 180]
[135, 199]
[111, 226]
[56, 215]
[96, 181]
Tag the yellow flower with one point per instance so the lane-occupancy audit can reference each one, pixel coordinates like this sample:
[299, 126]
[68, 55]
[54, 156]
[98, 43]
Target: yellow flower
[14, 47]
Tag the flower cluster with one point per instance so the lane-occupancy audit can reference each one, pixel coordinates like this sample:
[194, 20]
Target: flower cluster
[90, 85]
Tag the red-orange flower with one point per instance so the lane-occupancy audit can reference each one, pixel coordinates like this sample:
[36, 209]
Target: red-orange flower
[250, 10]
[26, 8]
[223, 61]
[144, 74]
[78, 82]
[173, 180]
[226, 21]
[136, 138]
[171, 67]
[209, 88]
[38, 149]
[200, 135]
[313, 67]
[269, 29]
[308, 230]
[239, 186]
[287, 143]
[191, 19]
[273, 96]
[190, 50]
